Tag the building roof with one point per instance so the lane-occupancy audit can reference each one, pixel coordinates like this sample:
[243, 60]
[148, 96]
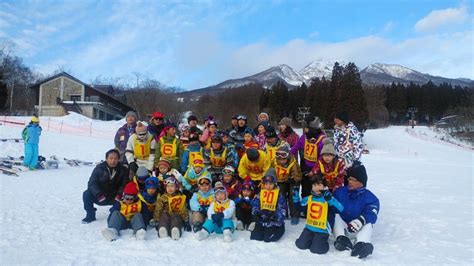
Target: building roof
[104, 90]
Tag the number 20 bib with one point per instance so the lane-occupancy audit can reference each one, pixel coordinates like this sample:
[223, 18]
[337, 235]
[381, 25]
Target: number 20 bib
[269, 199]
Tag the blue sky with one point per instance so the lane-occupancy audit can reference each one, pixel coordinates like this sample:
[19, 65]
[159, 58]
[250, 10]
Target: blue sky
[192, 44]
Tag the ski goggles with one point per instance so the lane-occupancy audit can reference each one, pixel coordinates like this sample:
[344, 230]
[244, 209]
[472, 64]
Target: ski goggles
[170, 181]
[142, 134]
[129, 197]
[282, 154]
[247, 187]
[227, 172]
[241, 117]
[202, 183]
[219, 189]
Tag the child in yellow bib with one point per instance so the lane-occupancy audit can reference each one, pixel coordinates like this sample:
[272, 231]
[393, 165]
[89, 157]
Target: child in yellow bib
[130, 212]
[269, 211]
[219, 215]
[151, 193]
[200, 201]
[317, 229]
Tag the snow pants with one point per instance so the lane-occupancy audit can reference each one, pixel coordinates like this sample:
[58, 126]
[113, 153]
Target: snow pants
[88, 199]
[211, 227]
[305, 181]
[243, 214]
[314, 241]
[170, 221]
[31, 155]
[118, 222]
[364, 234]
[286, 189]
[267, 234]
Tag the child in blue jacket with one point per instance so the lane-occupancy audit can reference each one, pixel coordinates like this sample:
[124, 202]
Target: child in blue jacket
[30, 135]
[317, 229]
[269, 210]
[361, 208]
[219, 215]
[200, 201]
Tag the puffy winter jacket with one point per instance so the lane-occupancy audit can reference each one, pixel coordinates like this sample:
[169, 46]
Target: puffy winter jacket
[192, 148]
[194, 203]
[233, 188]
[271, 218]
[230, 159]
[348, 143]
[175, 159]
[333, 202]
[31, 134]
[121, 138]
[107, 181]
[255, 170]
[300, 145]
[147, 215]
[358, 202]
[190, 178]
[333, 172]
[290, 137]
[162, 205]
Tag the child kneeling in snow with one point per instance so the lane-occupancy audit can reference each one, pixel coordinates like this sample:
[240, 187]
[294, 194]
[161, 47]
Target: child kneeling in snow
[269, 210]
[199, 203]
[243, 206]
[317, 229]
[171, 214]
[130, 212]
[219, 215]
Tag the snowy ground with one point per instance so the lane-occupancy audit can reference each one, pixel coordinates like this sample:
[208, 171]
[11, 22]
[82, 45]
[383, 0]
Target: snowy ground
[425, 189]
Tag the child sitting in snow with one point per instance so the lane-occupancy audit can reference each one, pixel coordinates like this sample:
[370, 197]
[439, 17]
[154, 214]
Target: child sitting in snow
[330, 166]
[151, 193]
[269, 210]
[200, 202]
[317, 229]
[219, 215]
[130, 212]
[231, 183]
[171, 214]
[139, 178]
[243, 206]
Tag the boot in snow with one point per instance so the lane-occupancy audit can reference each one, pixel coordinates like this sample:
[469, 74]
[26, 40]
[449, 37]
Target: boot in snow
[163, 232]
[110, 234]
[343, 243]
[175, 233]
[201, 235]
[295, 220]
[362, 250]
[90, 217]
[227, 235]
[251, 226]
[140, 234]
[197, 227]
[240, 225]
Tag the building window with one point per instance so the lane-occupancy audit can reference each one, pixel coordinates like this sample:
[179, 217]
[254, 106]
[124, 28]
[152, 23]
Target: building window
[76, 98]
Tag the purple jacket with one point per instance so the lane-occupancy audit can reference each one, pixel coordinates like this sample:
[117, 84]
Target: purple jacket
[300, 146]
[121, 137]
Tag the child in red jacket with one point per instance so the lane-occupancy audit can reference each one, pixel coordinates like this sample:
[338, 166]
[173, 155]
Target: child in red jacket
[330, 166]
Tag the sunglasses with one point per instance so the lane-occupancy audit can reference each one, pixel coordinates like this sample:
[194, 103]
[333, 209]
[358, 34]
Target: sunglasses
[129, 197]
[282, 154]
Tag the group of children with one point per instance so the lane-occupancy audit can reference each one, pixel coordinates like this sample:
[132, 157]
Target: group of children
[223, 185]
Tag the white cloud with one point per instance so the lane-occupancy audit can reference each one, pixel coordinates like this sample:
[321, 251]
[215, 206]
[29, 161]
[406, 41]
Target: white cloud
[443, 17]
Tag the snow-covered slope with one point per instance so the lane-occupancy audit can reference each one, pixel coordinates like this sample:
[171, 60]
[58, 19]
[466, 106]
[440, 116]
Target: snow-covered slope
[425, 189]
[319, 69]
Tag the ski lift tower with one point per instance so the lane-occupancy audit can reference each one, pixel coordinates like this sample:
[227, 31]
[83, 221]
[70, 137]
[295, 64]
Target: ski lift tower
[303, 112]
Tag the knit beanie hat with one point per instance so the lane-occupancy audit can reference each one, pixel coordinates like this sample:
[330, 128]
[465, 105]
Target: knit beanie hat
[130, 189]
[343, 116]
[151, 182]
[165, 162]
[285, 121]
[270, 176]
[142, 173]
[359, 173]
[271, 132]
[141, 127]
[219, 187]
[131, 113]
[328, 147]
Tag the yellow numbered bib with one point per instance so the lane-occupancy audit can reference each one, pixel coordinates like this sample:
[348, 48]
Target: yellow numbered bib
[331, 176]
[176, 203]
[218, 161]
[204, 201]
[317, 214]
[221, 207]
[168, 150]
[130, 210]
[142, 150]
[282, 172]
[194, 155]
[271, 152]
[311, 150]
[151, 206]
[269, 199]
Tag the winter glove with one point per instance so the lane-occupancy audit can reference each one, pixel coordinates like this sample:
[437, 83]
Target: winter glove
[101, 198]
[327, 195]
[133, 166]
[187, 227]
[355, 225]
[343, 243]
[362, 250]
[217, 218]
[154, 223]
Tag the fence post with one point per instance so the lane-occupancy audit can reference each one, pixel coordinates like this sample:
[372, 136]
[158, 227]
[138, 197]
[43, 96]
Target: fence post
[61, 128]
[90, 131]
[49, 120]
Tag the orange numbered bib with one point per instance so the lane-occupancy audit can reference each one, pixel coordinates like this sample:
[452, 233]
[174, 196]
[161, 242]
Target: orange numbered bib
[168, 150]
[311, 150]
[331, 176]
[142, 150]
[218, 161]
[130, 210]
[204, 201]
[317, 214]
[176, 203]
[221, 207]
[282, 172]
[269, 199]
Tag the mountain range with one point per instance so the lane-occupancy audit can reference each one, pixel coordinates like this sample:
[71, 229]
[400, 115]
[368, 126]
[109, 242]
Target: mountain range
[377, 73]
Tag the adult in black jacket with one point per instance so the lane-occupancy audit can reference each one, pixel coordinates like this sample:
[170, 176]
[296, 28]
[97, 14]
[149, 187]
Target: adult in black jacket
[105, 184]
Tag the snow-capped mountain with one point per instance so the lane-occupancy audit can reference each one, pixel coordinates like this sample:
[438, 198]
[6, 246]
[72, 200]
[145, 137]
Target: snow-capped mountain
[319, 69]
[377, 73]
